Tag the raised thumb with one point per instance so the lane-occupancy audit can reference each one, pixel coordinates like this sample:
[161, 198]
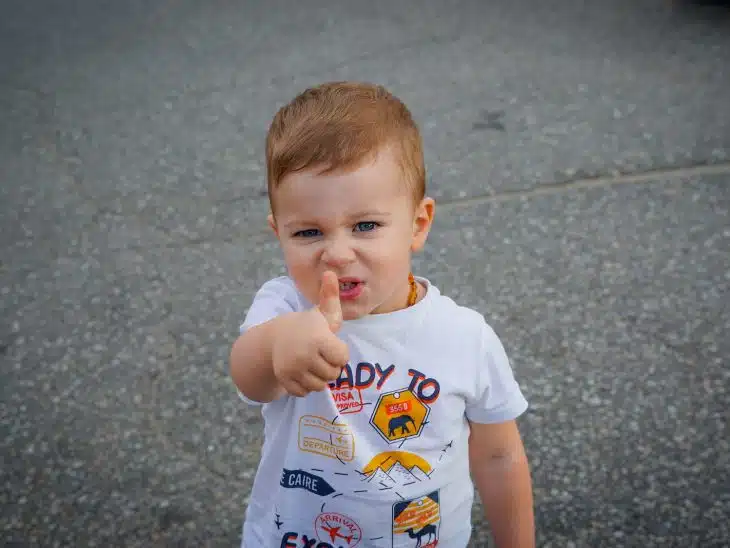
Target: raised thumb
[329, 300]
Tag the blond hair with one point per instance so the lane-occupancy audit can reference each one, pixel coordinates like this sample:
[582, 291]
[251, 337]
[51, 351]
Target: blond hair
[338, 126]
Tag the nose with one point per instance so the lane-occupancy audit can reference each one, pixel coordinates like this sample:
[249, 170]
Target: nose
[338, 252]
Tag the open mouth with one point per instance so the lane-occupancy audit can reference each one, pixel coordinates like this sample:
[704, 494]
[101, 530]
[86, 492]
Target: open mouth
[350, 289]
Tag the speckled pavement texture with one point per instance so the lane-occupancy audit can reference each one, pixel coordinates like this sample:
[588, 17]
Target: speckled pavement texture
[580, 156]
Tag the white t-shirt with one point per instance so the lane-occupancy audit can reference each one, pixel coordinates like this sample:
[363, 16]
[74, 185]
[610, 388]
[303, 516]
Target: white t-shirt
[381, 459]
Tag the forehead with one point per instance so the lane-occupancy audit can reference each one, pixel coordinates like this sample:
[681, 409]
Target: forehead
[377, 184]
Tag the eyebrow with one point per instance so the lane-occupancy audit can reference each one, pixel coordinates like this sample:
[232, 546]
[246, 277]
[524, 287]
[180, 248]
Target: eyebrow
[357, 215]
[370, 213]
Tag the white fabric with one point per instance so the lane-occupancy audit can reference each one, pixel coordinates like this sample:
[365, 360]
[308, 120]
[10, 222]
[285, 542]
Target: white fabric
[345, 475]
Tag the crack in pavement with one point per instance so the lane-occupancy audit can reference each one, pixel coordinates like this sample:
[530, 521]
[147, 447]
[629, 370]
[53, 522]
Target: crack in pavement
[585, 183]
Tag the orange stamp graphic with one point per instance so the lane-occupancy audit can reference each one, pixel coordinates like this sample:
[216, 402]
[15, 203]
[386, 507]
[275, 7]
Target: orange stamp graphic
[337, 529]
[323, 437]
[348, 400]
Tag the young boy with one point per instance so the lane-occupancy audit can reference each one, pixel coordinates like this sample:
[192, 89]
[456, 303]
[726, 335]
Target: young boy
[380, 395]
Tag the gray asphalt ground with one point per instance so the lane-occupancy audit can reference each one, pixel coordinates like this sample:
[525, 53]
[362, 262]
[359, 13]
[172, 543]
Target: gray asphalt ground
[580, 156]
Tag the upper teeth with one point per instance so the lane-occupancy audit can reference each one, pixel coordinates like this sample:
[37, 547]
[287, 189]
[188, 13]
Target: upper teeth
[346, 285]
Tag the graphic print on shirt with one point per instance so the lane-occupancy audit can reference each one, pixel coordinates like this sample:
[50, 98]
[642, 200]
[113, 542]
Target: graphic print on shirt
[399, 415]
[338, 529]
[393, 469]
[347, 390]
[418, 520]
[329, 530]
[326, 437]
[348, 400]
[307, 481]
[386, 471]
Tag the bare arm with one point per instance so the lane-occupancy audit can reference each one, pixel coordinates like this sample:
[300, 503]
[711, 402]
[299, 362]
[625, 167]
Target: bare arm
[502, 476]
[294, 353]
[251, 364]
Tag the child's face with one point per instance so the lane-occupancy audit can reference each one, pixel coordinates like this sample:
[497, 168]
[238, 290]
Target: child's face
[360, 224]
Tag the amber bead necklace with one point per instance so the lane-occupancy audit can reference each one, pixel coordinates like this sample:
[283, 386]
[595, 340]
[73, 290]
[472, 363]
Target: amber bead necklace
[413, 293]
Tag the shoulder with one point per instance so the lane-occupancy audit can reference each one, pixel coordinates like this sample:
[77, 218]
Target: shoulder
[283, 288]
[275, 297]
[465, 326]
[280, 285]
[459, 329]
[455, 318]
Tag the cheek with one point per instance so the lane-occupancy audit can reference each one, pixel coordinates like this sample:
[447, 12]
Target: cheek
[298, 259]
[302, 269]
[398, 243]
[390, 255]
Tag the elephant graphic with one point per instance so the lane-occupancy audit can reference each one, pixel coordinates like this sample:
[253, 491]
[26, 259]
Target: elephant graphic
[400, 422]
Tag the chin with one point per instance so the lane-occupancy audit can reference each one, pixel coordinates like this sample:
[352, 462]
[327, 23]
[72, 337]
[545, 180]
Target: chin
[347, 316]
[353, 312]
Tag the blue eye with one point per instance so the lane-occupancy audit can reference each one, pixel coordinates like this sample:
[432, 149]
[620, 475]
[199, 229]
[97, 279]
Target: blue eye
[366, 226]
[309, 233]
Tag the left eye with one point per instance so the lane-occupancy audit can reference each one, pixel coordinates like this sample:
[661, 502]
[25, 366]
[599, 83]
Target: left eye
[308, 233]
[366, 226]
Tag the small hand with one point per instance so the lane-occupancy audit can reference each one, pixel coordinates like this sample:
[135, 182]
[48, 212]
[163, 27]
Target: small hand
[308, 355]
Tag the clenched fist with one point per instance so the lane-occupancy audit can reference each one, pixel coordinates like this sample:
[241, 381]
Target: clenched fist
[307, 354]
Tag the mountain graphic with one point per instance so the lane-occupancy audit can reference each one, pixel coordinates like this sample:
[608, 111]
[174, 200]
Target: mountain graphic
[419, 474]
[397, 475]
[401, 474]
[380, 477]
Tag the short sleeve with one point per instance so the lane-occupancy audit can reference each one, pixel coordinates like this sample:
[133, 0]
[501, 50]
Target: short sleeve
[274, 298]
[498, 397]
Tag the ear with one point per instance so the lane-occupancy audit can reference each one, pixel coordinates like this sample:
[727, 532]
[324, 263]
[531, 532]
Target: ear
[422, 221]
[272, 224]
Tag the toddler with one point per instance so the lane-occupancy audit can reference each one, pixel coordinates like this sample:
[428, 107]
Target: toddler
[384, 401]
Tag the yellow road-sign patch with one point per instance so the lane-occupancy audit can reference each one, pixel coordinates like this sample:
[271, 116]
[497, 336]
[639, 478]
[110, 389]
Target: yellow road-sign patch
[399, 415]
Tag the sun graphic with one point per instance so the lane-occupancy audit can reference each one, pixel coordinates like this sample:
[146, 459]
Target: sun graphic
[386, 460]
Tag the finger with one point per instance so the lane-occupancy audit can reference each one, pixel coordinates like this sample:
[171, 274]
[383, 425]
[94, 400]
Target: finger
[295, 389]
[334, 351]
[329, 300]
[325, 371]
[311, 383]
